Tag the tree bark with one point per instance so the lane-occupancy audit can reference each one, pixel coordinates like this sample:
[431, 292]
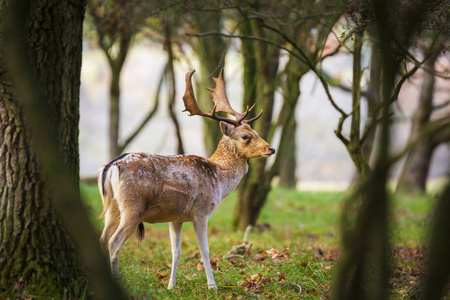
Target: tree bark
[288, 178]
[115, 64]
[249, 68]
[291, 91]
[210, 51]
[438, 273]
[255, 186]
[413, 177]
[171, 88]
[354, 147]
[36, 253]
[46, 110]
[114, 112]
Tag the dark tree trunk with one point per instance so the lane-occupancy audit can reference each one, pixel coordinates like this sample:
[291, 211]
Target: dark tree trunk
[116, 65]
[253, 189]
[288, 165]
[36, 254]
[210, 51]
[171, 88]
[114, 112]
[436, 279]
[413, 177]
[249, 68]
[354, 147]
[291, 91]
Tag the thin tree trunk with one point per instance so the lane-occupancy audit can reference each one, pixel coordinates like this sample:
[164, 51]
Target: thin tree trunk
[354, 148]
[288, 166]
[291, 91]
[210, 51]
[253, 190]
[114, 111]
[172, 90]
[373, 99]
[413, 177]
[151, 113]
[249, 68]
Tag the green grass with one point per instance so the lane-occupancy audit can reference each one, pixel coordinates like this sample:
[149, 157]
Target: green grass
[307, 222]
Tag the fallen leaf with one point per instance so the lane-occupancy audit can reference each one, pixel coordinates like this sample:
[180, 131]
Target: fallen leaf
[199, 267]
[162, 275]
[260, 256]
[276, 255]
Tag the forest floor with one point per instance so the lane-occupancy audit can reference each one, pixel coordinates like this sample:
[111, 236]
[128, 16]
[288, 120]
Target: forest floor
[302, 228]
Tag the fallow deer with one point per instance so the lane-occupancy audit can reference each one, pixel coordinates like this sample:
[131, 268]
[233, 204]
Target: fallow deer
[141, 187]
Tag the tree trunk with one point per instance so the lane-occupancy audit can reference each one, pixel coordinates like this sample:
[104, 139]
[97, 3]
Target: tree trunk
[210, 51]
[36, 254]
[291, 91]
[171, 88]
[354, 148]
[255, 186]
[438, 269]
[249, 68]
[288, 166]
[114, 112]
[413, 177]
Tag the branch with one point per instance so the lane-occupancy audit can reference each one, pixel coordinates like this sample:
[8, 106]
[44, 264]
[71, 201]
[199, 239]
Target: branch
[247, 37]
[149, 116]
[308, 62]
[434, 128]
[391, 100]
[441, 106]
[338, 130]
[373, 125]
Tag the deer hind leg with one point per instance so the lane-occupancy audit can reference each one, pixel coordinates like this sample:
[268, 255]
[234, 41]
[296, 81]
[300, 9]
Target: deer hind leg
[128, 223]
[201, 228]
[112, 220]
[175, 240]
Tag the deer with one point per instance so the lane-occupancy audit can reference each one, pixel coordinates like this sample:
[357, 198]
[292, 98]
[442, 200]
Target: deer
[151, 188]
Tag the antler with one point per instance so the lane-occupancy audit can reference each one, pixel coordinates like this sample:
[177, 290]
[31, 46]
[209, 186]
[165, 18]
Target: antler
[220, 100]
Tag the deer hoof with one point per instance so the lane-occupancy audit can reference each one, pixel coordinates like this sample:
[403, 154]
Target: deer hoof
[212, 287]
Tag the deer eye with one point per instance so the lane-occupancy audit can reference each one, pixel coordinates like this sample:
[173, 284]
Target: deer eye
[245, 137]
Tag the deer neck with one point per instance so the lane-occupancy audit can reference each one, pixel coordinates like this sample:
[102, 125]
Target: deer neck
[231, 167]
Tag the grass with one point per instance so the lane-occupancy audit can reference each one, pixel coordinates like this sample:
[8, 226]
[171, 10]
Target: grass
[305, 222]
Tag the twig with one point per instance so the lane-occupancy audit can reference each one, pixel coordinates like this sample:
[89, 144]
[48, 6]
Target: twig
[247, 37]
[295, 284]
[247, 251]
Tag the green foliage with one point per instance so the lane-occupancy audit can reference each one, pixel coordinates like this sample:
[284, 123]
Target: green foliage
[305, 222]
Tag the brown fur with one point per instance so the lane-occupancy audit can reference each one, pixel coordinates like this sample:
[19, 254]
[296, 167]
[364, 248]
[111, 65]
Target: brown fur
[141, 187]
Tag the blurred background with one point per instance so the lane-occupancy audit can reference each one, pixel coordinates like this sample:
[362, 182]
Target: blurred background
[321, 159]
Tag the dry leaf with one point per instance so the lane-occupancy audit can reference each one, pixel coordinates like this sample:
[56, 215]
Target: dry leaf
[162, 275]
[199, 267]
[260, 256]
[277, 255]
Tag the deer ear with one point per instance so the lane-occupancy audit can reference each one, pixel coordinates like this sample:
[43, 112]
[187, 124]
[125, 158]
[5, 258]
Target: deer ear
[226, 128]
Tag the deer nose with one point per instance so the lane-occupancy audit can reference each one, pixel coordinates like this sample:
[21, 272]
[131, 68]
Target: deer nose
[272, 150]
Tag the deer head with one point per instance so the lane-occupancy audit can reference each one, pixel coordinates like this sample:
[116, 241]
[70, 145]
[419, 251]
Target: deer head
[239, 136]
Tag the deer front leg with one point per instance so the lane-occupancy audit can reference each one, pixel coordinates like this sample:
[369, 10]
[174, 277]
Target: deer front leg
[200, 228]
[175, 240]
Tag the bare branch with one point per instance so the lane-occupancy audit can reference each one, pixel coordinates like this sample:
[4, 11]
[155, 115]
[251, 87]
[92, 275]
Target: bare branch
[247, 37]
[435, 128]
[149, 116]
